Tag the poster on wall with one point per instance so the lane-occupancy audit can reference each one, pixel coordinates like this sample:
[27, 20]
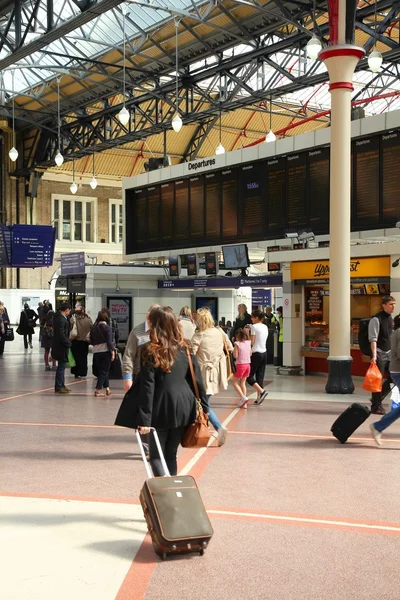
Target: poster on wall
[120, 311]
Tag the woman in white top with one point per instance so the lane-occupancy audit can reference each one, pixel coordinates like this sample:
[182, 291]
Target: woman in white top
[186, 324]
[259, 336]
[208, 346]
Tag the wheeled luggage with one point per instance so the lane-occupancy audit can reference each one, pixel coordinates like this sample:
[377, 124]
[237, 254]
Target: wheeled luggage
[349, 421]
[174, 511]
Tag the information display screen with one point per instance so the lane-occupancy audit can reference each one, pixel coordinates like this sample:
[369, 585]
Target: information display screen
[276, 194]
[140, 201]
[390, 143]
[251, 182]
[196, 207]
[229, 203]
[318, 189]
[167, 211]
[366, 177]
[181, 209]
[153, 213]
[212, 194]
[32, 245]
[296, 173]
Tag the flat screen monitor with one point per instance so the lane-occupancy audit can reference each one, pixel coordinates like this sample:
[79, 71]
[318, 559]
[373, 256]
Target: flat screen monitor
[192, 263]
[212, 263]
[210, 302]
[236, 257]
[174, 266]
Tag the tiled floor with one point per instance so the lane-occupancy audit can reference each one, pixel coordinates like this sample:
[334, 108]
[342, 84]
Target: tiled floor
[296, 515]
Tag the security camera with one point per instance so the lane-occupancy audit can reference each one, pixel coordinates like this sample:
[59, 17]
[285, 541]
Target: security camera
[396, 263]
[92, 256]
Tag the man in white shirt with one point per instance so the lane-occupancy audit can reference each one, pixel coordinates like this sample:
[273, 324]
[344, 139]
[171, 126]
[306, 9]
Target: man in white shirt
[259, 336]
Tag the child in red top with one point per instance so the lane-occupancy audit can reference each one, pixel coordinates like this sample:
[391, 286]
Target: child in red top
[242, 354]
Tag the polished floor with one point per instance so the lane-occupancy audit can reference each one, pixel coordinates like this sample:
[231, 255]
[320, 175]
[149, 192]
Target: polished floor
[296, 515]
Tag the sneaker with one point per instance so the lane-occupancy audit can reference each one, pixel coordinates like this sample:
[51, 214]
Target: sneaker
[66, 390]
[54, 368]
[378, 410]
[61, 391]
[221, 437]
[264, 394]
[376, 435]
[30, 346]
[47, 368]
[243, 402]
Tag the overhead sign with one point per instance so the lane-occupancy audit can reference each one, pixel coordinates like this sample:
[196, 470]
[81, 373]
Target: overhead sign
[73, 263]
[359, 268]
[222, 282]
[5, 246]
[30, 245]
[76, 285]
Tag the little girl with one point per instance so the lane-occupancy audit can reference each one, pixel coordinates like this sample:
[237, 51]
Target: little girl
[242, 353]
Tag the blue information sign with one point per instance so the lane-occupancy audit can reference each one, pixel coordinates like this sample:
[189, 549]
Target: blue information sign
[222, 282]
[73, 263]
[32, 245]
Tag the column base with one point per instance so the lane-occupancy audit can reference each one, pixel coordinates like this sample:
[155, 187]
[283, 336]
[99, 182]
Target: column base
[339, 378]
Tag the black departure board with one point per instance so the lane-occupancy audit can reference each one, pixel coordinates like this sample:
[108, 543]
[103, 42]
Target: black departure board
[229, 194]
[251, 189]
[196, 186]
[140, 202]
[296, 173]
[153, 213]
[390, 143]
[181, 209]
[212, 195]
[276, 194]
[366, 181]
[167, 212]
[130, 244]
[318, 189]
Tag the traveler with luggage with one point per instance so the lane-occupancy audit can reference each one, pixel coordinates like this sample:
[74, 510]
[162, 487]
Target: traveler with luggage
[380, 330]
[242, 354]
[387, 420]
[208, 345]
[165, 394]
[259, 336]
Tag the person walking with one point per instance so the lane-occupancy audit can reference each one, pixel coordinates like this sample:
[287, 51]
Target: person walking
[186, 323]
[208, 347]
[26, 327]
[242, 354]
[80, 325]
[47, 328]
[259, 336]
[61, 344]
[242, 320]
[387, 420]
[103, 353]
[166, 397]
[2, 331]
[380, 331]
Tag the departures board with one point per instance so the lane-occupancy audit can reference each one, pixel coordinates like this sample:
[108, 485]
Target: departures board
[259, 200]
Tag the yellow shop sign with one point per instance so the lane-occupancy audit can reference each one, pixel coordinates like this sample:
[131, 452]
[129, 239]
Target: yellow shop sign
[359, 267]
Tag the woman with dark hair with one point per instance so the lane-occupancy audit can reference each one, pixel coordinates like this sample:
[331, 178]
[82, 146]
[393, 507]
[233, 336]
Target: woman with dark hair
[103, 353]
[165, 389]
[26, 327]
[47, 335]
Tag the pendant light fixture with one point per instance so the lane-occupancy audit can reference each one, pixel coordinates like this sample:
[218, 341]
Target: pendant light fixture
[220, 149]
[93, 181]
[123, 114]
[176, 121]
[375, 59]
[13, 154]
[270, 137]
[73, 187]
[59, 157]
[314, 45]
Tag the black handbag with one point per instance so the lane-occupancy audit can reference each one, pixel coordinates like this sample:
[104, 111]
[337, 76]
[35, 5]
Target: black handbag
[115, 368]
[9, 334]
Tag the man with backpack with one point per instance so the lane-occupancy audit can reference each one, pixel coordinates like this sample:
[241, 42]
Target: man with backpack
[380, 331]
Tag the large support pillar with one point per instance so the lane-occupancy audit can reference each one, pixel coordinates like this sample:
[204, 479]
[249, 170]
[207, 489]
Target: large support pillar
[341, 59]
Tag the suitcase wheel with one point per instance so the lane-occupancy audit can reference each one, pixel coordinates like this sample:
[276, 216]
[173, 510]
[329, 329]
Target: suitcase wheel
[163, 556]
[201, 552]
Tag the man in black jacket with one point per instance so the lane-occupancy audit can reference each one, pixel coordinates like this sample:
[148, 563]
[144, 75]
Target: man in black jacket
[61, 343]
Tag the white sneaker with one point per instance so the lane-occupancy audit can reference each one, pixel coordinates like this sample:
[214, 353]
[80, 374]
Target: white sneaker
[243, 402]
[221, 437]
[376, 435]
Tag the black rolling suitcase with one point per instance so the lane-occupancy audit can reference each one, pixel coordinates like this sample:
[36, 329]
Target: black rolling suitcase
[174, 511]
[349, 421]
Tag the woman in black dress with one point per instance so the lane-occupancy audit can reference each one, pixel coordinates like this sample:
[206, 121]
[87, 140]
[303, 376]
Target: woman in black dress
[26, 327]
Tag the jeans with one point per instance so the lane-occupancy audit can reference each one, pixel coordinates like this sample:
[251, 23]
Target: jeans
[377, 397]
[27, 338]
[103, 362]
[257, 369]
[60, 375]
[215, 422]
[393, 415]
[169, 441]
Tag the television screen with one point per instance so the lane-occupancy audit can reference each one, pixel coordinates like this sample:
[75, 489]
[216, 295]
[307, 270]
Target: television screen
[192, 264]
[236, 257]
[212, 263]
[208, 302]
[174, 266]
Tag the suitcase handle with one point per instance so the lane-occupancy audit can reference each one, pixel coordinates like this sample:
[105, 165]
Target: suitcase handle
[160, 452]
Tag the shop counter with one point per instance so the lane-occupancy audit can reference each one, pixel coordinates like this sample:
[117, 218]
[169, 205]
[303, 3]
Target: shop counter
[316, 361]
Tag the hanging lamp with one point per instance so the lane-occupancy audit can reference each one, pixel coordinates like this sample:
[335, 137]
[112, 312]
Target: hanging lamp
[375, 59]
[176, 121]
[270, 137]
[59, 157]
[13, 154]
[314, 45]
[123, 114]
[220, 149]
[73, 186]
[93, 181]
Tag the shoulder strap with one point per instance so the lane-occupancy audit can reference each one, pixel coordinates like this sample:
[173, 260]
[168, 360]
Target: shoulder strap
[196, 388]
[226, 349]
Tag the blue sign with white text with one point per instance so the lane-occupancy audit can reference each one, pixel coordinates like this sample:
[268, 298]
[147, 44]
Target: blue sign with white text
[32, 245]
